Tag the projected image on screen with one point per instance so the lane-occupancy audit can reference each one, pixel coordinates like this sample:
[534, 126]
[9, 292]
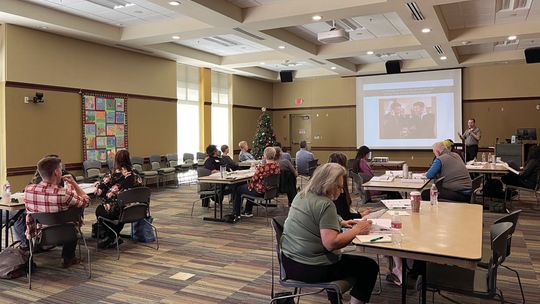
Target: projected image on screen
[408, 110]
[408, 117]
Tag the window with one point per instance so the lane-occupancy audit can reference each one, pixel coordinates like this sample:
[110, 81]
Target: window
[220, 109]
[187, 79]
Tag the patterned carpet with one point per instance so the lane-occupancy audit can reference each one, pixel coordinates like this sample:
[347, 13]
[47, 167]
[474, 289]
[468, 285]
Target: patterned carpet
[206, 262]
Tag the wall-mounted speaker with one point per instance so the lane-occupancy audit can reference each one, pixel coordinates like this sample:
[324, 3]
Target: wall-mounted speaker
[286, 76]
[532, 55]
[393, 66]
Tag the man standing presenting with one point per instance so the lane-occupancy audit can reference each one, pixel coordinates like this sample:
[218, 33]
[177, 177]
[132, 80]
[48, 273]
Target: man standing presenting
[48, 197]
[471, 137]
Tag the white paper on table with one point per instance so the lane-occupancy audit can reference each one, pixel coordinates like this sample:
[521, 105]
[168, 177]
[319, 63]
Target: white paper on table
[386, 238]
[395, 173]
[382, 178]
[400, 213]
[413, 181]
[17, 195]
[419, 176]
[375, 214]
[397, 203]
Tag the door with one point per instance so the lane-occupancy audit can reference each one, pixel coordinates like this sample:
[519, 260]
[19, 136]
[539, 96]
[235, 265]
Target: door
[300, 130]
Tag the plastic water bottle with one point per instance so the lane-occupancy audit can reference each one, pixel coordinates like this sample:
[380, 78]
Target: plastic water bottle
[405, 171]
[489, 157]
[396, 229]
[483, 157]
[6, 196]
[434, 196]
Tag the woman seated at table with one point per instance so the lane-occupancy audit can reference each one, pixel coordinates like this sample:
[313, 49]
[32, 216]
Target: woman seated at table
[121, 179]
[362, 167]
[457, 184]
[343, 202]
[256, 187]
[528, 178]
[312, 239]
[226, 159]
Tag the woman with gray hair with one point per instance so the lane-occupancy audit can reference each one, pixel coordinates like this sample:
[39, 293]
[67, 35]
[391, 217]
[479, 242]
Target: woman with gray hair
[312, 239]
[255, 187]
[457, 184]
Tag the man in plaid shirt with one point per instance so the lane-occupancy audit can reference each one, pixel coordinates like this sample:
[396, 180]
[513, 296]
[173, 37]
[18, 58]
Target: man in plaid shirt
[48, 197]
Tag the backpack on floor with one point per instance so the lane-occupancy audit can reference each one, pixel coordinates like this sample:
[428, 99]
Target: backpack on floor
[143, 232]
[13, 262]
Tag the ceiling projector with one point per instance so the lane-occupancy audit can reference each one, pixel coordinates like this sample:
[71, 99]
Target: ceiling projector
[333, 36]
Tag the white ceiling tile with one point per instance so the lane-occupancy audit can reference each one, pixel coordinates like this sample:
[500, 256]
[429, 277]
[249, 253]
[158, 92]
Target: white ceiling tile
[378, 25]
[396, 21]
[219, 45]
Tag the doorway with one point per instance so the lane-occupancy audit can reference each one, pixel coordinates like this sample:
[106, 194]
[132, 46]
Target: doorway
[300, 130]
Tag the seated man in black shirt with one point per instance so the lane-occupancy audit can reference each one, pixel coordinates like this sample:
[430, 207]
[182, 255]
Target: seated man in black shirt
[214, 163]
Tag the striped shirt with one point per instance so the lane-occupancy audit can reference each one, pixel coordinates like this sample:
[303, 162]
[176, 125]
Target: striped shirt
[48, 198]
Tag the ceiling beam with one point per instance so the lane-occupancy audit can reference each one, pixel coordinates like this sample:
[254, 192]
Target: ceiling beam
[353, 48]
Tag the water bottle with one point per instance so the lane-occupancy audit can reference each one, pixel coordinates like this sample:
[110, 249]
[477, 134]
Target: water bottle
[434, 195]
[396, 229]
[483, 157]
[405, 171]
[6, 196]
[489, 157]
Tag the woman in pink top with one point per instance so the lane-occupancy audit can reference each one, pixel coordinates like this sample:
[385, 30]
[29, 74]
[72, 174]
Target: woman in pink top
[361, 166]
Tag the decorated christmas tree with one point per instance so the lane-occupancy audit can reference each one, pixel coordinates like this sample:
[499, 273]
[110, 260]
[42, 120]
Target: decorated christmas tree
[265, 135]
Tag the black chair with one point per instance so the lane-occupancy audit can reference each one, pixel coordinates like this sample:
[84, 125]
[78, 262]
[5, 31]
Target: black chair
[59, 228]
[92, 170]
[338, 286]
[509, 218]
[200, 158]
[205, 190]
[135, 206]
[481, 283]
[287, 184]
[312, 165]
[536, 190]
[271, 184]
[477, 183]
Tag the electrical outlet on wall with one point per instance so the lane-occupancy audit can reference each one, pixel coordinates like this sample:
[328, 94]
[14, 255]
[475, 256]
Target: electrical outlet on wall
[26, 99]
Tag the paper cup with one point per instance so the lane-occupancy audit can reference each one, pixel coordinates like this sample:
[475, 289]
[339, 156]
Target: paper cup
[415, 201]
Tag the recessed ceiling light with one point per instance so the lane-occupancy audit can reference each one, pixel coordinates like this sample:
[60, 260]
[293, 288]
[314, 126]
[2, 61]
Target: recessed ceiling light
[119, 24]
[465, 42]
[333, 68]
[175, 37]
[281, 47]
[262, 63]
[443, 58]
[174, 3]
[426, 30]
[43, 27]
[513, 37]
[316, 17]
[369, 52]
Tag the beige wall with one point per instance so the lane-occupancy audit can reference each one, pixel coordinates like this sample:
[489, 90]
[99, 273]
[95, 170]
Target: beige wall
[43, 58]
[34, 130]
[315, 92]
[248, 92]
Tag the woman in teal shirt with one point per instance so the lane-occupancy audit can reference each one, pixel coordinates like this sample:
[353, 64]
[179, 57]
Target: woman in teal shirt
[312, 237]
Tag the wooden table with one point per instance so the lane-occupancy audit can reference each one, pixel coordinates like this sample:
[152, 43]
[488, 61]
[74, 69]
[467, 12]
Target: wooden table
[397, 185]
[488, 168]
[248, 164]
[236, 177]
[448, 234]
[387, 165]
[11, 207]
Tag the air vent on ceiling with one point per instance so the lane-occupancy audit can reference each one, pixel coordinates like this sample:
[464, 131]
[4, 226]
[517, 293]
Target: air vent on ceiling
[248, 33]
[317, 61]
[112, 4]
[439, 49]
[222, 41]
[346, 24]
[416, 13]
[507, 43]
[385, 55]
[125, 47]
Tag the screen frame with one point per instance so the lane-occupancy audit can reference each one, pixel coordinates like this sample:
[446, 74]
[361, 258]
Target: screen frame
[459, 126]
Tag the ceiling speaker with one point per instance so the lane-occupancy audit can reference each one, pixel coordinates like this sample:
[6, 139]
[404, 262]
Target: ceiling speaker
[286, 76]
[393, 66]
[532, 55]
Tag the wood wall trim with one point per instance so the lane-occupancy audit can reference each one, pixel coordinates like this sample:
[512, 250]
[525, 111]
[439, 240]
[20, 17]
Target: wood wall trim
[294, 108]
[35, 86]
[30, 170]
[528, 98]
[314, 108]
[320, 148]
